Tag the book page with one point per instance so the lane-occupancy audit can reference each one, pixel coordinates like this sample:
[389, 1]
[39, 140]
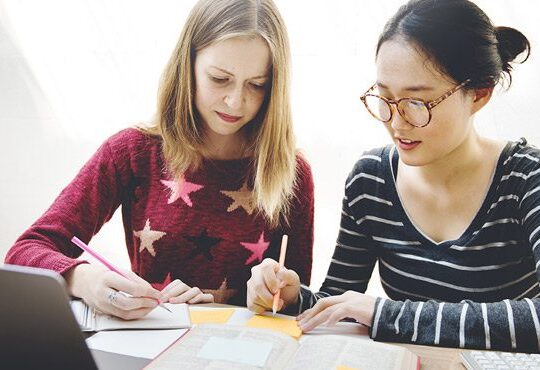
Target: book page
[187, 351]
[332, 351]
[136, 343]
[158, 318]
[83, 314]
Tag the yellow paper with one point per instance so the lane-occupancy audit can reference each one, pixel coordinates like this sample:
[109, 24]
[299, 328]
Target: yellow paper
[343, 367]
[215, 316]
[287, 326]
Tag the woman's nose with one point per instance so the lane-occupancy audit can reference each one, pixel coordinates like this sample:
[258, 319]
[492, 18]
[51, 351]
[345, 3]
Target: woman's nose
[399, 123]
[235, 98]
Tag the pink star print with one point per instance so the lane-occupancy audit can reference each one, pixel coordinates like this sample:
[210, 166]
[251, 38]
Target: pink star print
[258, 249]
[181, 189]
[160, 286]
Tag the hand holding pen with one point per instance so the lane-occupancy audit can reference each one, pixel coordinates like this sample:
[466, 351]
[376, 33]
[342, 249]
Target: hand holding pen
[272, 286]
[119, 293]
[282, 253]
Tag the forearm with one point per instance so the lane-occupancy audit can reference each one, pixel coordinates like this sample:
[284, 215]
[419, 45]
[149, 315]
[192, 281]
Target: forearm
[80, 210]
[507, 325]
[41, 254]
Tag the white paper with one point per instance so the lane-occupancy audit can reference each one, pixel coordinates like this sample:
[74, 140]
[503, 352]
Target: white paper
[240, 316]
[250, 352]
[137, 343]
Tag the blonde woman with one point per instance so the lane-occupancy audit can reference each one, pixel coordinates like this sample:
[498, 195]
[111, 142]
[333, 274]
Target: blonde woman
[207, 190]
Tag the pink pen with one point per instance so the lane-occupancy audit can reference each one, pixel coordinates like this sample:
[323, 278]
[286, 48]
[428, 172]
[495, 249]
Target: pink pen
[79, 243]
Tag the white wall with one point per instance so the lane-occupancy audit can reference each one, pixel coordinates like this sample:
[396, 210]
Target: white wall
[74, 72]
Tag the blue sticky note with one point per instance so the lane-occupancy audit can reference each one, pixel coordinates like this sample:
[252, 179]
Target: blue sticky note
[249, 352]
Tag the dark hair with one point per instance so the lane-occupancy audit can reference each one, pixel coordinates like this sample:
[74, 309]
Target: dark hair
[459, 38]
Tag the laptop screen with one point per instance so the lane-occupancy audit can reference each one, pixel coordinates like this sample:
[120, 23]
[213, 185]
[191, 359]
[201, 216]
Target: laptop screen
[38, 329]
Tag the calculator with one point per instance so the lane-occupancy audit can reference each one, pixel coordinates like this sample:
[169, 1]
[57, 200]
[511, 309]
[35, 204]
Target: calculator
[491, 360]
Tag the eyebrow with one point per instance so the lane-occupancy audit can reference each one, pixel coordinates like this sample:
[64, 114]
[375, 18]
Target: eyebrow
[408, 88]
[231, 74]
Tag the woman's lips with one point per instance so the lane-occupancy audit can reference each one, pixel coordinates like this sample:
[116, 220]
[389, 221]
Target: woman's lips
[407, 144]
[228, 118]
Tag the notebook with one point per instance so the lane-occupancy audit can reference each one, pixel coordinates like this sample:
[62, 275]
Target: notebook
[90, 320]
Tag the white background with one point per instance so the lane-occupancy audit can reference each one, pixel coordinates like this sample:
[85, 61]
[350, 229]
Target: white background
[74, 72]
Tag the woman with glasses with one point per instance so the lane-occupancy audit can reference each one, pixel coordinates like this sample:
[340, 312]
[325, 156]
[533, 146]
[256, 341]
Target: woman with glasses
[453, 218]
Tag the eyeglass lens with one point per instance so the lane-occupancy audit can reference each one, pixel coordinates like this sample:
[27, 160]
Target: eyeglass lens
[413, 111]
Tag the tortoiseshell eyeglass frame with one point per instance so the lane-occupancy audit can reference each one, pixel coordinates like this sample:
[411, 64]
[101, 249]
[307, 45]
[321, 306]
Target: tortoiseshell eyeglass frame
[428, 104]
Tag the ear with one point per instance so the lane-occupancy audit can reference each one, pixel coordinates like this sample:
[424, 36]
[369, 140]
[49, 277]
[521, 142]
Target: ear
[481, 98]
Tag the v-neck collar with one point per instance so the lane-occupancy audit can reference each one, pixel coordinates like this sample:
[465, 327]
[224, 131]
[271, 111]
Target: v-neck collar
[390, 162]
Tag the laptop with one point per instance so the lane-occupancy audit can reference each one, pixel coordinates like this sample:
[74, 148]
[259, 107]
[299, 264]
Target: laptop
[38, 329]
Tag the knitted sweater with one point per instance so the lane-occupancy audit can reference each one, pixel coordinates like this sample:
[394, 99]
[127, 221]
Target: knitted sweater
[202, 229]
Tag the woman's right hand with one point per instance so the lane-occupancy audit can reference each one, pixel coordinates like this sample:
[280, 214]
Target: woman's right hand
[102, 289]
[266, 279]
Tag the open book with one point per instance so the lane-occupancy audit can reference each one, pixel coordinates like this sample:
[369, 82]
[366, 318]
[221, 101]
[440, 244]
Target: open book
[91, 320]
[240, 347]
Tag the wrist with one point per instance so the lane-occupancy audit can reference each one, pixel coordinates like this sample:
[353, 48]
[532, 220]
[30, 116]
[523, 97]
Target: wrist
[369, 313]
[290, 302]
[76, 279]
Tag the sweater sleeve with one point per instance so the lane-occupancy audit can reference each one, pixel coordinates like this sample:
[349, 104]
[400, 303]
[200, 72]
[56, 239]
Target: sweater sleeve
[353, 259]
[300, 228]
[511, 324]
[80, 210]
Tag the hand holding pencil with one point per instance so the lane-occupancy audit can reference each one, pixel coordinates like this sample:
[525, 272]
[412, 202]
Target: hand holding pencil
[103, 288]
[282, 253]
[272, 286]
[111, 267]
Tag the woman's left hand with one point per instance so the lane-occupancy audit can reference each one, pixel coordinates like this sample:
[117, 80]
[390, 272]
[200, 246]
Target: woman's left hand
[329, 311]
[179, 292]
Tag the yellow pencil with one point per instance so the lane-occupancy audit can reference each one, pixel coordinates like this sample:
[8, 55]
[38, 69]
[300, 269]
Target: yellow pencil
[282, 253]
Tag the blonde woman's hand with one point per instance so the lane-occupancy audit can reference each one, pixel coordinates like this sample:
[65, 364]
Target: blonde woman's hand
[179, 292]
[266, 279]
[127, 298]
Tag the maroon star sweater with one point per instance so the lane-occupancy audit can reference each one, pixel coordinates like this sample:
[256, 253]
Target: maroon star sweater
[202, 229]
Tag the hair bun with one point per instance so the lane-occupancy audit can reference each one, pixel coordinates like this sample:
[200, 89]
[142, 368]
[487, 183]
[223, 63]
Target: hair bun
[511, 43]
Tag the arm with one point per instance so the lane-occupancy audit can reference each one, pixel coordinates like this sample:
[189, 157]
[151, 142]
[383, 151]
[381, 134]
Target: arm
[266, 277]
[80, 209]
[353, 259]
[511, 324]
[300, 229]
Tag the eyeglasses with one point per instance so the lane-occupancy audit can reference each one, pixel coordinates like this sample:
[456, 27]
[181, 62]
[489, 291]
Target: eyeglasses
[415, 111]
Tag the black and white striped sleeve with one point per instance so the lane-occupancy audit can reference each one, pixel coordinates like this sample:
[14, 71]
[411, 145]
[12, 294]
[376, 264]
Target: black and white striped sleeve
[353, 259]
[511, 324]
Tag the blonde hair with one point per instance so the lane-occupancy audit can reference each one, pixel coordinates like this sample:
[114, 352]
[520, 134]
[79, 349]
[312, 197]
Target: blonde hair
[270, 137]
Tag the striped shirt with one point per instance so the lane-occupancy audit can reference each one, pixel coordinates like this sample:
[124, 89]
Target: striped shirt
[478, 291]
